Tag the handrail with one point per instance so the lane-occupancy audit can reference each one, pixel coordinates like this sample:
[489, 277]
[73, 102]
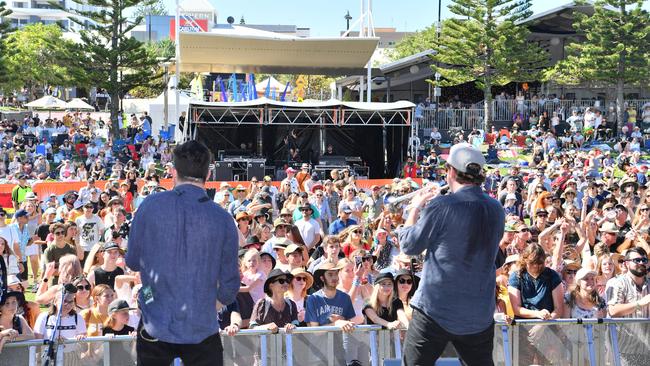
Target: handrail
[330, 328]
[577, 321]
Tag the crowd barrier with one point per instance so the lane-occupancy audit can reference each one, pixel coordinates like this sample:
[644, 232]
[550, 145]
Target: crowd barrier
[592, 342]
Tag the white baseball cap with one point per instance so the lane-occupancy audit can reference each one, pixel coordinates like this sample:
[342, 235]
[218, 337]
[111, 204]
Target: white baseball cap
[463, 154]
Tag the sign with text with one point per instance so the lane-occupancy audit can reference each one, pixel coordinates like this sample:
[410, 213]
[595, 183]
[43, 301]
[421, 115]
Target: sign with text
[195, 26]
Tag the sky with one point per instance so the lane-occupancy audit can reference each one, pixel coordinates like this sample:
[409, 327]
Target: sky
[325, 17]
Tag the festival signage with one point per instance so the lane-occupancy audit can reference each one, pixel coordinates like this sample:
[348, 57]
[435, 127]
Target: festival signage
[194, 26]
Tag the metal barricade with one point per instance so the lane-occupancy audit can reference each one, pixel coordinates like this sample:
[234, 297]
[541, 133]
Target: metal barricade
[592, 342]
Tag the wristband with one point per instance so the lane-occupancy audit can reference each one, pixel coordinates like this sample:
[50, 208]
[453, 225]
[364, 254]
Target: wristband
[44, 280]
[356, 282]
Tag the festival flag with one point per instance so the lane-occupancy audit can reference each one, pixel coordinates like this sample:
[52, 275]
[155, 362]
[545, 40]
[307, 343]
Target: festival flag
[235, 90]
[253, 88]
[267, 93]
[284, 93]
[224, 95]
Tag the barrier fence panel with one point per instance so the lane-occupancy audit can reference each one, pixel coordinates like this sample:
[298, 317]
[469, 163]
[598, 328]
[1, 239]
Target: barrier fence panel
[592, 342]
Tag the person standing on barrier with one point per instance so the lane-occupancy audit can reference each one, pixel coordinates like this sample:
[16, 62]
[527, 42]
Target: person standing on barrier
[197, 234]
[460, 233]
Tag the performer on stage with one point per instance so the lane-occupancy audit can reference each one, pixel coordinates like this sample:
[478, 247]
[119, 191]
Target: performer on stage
[183, 244]
[460, 232]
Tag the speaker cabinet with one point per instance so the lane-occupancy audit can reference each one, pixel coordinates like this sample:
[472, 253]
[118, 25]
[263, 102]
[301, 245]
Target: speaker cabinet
[223, 171]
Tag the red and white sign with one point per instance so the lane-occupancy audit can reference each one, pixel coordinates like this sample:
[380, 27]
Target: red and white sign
[195, 26]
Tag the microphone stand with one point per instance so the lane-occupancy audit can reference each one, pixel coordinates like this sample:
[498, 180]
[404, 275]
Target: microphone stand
[49, 358]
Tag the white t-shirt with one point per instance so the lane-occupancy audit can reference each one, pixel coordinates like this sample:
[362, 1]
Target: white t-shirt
[90, 231]
[308, 230]
[69, 328]
[10, 233]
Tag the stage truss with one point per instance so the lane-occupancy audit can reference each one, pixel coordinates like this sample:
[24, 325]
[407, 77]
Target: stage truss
[202, 114]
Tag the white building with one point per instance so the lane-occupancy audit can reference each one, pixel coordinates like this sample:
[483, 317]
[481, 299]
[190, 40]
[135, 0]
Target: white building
[26, 12]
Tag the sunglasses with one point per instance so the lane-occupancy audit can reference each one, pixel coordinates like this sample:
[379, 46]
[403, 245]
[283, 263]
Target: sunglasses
[644, 209]
[281, 281]
[305, 209]
[82, 287]
[358, 231]
[301, 279]
[2, 214]
[571, 272]
[59, 233]
[367, 258]
[524, 230]
[640, 260]
[402, 281]
[621, 261]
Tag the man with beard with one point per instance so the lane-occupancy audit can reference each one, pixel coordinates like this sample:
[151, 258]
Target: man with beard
[629, 297]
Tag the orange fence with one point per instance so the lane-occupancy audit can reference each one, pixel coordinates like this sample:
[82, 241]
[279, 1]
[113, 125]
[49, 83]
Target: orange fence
[45, 189]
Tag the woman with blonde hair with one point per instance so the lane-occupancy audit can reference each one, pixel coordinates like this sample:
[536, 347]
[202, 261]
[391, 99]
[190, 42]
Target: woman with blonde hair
[353, 240]
[383, 307]
[69, 268]
[606, 269]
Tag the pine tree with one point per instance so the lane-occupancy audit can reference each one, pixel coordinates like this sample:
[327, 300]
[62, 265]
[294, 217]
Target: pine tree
[615, 49]
[485, 45]
[5, 28]
[114, 60]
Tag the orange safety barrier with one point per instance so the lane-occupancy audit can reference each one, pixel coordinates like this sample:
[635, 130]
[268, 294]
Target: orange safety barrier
[45, 189]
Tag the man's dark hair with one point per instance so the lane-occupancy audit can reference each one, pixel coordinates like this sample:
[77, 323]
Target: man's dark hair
[192, 160]
[474, 174]
[638, 250]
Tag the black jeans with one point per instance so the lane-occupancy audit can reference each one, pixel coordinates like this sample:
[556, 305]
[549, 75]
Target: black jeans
[426, 340]
[153, 352]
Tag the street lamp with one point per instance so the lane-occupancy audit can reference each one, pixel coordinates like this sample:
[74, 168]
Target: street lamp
[436, 94]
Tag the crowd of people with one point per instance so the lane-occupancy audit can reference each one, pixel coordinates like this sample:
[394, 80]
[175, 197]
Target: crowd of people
[316, 252]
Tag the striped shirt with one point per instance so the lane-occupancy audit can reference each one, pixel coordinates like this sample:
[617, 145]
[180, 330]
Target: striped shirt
[625, 291]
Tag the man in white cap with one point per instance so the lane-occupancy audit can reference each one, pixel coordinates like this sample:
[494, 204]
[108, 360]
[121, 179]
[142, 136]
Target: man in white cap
[461, 233]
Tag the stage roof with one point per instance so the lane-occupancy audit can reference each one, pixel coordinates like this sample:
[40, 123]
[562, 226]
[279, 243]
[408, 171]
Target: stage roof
[309, 104]
[279, 54]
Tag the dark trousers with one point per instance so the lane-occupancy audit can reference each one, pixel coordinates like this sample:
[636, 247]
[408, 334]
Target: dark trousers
[426, 340]
[153, 352]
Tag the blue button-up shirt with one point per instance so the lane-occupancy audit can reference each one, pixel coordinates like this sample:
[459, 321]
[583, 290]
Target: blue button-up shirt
[185, 247]
[461, 233]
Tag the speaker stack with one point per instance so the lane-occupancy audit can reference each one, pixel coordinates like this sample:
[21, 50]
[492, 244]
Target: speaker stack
[223, 171]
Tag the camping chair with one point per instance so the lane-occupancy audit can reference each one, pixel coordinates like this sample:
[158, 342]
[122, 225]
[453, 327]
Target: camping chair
[81, 149]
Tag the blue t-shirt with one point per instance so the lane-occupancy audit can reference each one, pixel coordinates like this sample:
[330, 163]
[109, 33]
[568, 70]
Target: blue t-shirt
[338, 225]
[319, 308]
[536, 293]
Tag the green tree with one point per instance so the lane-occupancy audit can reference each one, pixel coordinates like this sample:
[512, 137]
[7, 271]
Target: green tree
[487, 47]
[615, 49]
[5, 28]
[156, 7]
[38, 58]
[114, 60]
[417, 42]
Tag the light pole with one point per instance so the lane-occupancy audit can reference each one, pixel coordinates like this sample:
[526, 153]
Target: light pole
[436, 94]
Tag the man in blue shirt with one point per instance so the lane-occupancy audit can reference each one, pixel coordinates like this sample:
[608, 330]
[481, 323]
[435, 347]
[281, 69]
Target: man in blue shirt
[343, 221]
[183, 245]
[460, 232]
[332, 307]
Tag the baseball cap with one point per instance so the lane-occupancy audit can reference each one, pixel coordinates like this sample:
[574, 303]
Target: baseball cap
[50, 211]
[267, 178]
[290, 170]
[20, 213]
[291, 248]
[110, 245]
[346, 208]
[584, 272]
[118, 305]
[463, 154]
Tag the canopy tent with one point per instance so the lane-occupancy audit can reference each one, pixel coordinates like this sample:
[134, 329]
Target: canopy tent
[157, 113]
[77, 104]
[273, 84]
[47, 102]
[227, 52]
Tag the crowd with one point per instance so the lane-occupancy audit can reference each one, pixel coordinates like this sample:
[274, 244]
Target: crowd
[326, 252]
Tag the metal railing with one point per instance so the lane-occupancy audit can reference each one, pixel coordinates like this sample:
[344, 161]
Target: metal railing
[592, 342]
[505, 110]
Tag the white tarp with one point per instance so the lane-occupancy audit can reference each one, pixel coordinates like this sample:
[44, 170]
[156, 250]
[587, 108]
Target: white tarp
[47, 102]
[157, 112]
[78, 104]
[332, 103]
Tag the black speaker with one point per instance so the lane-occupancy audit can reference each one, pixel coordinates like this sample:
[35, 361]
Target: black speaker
[223, 171]
[255, 170]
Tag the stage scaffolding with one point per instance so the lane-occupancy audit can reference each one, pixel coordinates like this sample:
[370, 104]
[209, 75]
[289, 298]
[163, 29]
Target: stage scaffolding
[323, 115]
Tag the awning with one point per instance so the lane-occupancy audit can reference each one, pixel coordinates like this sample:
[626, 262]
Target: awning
[315, 104]
[227, 53]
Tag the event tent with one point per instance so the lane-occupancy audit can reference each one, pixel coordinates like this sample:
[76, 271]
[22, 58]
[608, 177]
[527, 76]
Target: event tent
[47, 102]
[77, 104]
[157, 112]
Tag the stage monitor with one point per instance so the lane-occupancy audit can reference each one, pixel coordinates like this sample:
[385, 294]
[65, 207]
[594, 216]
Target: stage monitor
[332, 160]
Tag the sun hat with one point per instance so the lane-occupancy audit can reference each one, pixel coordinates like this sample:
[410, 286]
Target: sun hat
[296, 272]
[275, 273]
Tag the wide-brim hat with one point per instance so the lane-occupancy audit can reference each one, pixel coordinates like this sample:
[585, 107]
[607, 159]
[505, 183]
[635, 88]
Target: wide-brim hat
[629, 182]
[609, 227]
[273, 261]
[328, 266]
[275, 273]
[301, 272]
[243, 216]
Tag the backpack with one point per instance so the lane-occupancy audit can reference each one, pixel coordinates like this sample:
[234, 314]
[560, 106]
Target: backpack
[267, 306]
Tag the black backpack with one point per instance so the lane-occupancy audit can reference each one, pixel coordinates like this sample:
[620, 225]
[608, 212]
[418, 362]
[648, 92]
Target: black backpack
[3, 280]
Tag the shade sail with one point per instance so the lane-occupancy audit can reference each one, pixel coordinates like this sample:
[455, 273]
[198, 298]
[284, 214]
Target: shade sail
[78, 104]
[226, 53]
[47, 102]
